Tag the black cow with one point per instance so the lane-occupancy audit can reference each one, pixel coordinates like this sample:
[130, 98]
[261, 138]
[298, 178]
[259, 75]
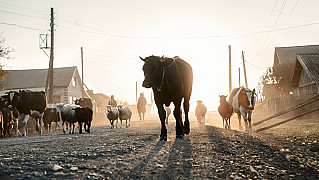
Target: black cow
[84, 102]
[27, 102]
[50, 115]
[171, 80]
[84, 115]
[7, 120]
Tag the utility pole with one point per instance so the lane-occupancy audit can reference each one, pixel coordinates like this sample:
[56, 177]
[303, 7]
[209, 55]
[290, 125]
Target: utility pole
[243, 57]
[239, 77]
[230, 84]
[83, 94]
[51, 59]
[136, 91]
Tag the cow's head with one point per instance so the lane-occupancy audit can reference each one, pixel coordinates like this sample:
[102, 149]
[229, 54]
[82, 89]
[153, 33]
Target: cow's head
[247, 99]
[3, 102]
[13, 98]
[222, 98]
[153, 70]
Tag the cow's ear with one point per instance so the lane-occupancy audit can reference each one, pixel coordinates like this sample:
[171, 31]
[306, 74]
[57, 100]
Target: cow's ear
[142, 58]
[166, 62]
[254, 91]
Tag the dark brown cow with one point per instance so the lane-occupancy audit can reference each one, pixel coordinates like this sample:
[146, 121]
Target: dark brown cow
[171, 80]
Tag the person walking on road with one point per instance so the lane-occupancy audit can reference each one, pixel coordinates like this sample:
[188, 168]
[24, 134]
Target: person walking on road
[141, 103]
[112, 102]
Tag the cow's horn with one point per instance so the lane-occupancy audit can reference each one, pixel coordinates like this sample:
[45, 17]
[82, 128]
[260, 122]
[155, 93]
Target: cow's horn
[142, 58]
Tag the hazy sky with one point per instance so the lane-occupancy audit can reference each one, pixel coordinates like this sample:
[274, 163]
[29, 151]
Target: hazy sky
[115, 33]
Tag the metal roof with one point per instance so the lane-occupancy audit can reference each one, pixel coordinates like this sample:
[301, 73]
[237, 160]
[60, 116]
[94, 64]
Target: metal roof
[310, 64]
[288, 54]
[36, 78]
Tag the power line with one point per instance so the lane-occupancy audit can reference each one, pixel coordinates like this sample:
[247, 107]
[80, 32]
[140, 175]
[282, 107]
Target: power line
[27, 11]
[24, 15]
[242, 35]
[255, 44]
[20, 26]
[272, 29]
[254, 65]
[34, 10]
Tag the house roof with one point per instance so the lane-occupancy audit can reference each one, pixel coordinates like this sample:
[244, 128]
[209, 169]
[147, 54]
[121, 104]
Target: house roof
[36, 78]
[310, 64]
[288, 54]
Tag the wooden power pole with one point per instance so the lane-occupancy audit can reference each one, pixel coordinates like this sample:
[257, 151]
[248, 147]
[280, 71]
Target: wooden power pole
[83, 94]
[239, 77]
[51, 59]
[230, 84]
[136, 91]
[243, 57]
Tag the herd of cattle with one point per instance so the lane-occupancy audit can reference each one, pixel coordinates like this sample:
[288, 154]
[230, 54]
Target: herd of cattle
[171, 80]
[18, 107]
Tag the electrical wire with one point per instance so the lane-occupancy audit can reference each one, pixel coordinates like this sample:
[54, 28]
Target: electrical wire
[20, 26]
[29, 9]
[23, 14]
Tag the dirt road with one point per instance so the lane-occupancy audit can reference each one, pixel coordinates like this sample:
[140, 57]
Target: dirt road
[135, 153]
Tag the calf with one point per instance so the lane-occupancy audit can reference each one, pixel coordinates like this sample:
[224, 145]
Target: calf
[84, 115]
[7, 120]
[200, 112]
[125, 113]
[84, 102]
[50, 115]
[112, 114]
[67, 114]
[225, 110]
[16, 115]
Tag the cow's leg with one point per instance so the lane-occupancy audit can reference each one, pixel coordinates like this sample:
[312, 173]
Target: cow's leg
[25, 123]
[186, 110]
[244, 114]
[239, 121]
[63, 130]
[40, 123]
[162, 116]
[73, 128]
[179, 122]
[80, 129]
[1, 127]
[70, 126]
[89, 126]
[129, 123]
[249, 119]
[16, 124]
[8, 129]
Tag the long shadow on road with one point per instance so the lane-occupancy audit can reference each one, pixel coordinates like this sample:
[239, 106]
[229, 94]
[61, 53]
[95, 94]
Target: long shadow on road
[179, 162]
[138, 170]
[240, 154]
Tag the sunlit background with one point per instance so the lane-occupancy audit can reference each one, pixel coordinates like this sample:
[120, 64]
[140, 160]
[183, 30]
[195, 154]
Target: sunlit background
[115, 33]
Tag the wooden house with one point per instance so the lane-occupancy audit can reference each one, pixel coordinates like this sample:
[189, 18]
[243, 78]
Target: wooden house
[66, 81]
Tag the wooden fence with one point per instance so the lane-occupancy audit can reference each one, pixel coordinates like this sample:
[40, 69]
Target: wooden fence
[276, 105]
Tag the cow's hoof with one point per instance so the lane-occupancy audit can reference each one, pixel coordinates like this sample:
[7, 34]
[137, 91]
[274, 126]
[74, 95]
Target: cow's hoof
[180, 136]
[163, 138]
[186, 130]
